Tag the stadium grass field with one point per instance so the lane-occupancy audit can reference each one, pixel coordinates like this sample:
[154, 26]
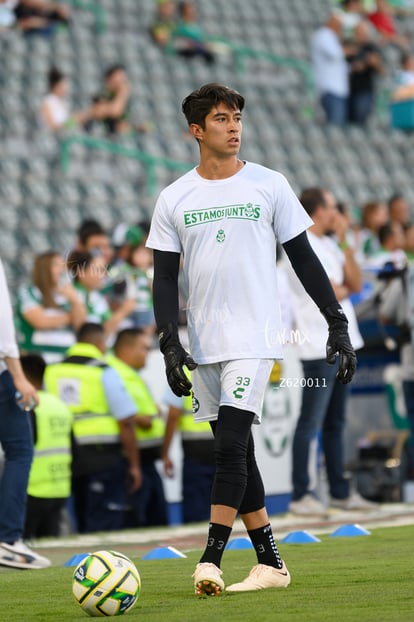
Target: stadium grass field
[345, 579]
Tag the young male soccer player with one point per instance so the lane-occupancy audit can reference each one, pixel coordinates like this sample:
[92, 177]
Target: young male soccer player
[224, 216]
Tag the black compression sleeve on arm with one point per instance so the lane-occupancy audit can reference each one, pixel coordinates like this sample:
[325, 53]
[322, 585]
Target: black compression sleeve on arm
[165, 288]
[309, 270]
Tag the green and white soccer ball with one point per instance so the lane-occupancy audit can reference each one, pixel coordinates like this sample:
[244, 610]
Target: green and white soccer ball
[106, 583]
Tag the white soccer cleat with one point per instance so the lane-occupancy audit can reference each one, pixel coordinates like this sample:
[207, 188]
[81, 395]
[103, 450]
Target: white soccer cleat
[262, 577]
[18, 555]
[207, 580]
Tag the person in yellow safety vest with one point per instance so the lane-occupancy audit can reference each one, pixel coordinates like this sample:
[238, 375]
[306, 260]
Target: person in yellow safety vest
[197, 443]
[148, 506]
[50, 476]
[106, 457]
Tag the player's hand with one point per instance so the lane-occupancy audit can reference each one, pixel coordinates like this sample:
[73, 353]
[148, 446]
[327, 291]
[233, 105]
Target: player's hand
[339, 343]
[175, 357]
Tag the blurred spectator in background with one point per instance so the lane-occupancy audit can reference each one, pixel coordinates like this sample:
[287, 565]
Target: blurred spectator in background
[351, 12]
[398, 209]
[49, 309]
[197, 444]
[324, 397]
[7, 14]
[92, 238]
[374, 215]
[164, 23]
[188, 37]
[17, 397]
[54, 111]
[147, 505]
[396, 308]
[404, 79]
[111, 104]
[331, 70]
[131, 278]
[409, 242]
[392, 241]
[105, 456]
[353, 234]
[40, 17]
[383, 20]
[365, 64]
[50, 476]
[89, 272]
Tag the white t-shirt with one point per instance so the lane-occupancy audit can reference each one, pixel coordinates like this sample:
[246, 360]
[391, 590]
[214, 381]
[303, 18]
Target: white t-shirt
[58, 109]
[329, 63]
[226, 230]
[8, 345]
[310, 323]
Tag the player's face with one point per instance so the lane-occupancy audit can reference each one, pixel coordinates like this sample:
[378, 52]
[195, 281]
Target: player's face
[221, 135]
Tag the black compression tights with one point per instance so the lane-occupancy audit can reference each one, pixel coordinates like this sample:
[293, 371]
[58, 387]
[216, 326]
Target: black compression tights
[237, 482]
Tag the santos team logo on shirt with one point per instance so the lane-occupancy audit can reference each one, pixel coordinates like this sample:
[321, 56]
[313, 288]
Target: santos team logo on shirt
[248, 211]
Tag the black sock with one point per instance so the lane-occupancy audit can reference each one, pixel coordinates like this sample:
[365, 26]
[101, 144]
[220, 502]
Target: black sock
[265, 546]
[218, 536]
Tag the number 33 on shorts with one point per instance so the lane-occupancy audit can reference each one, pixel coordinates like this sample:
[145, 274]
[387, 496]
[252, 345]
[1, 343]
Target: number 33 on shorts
[241, 383]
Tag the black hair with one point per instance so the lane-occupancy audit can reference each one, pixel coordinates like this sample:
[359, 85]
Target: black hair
[87, 228]
[312, 198]
[78, 261]
[90, 332]
[199, 103]
[34, 366]
[126, 335]
[113, 69]
[394, 197]
[54, 77]
[385, 232]
[404, 57]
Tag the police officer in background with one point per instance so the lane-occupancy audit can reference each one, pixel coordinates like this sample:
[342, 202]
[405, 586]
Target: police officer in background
[148, 506]
[50, 476]
[106, 457]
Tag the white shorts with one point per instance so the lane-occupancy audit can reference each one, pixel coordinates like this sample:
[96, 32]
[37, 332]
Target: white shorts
[240, 383]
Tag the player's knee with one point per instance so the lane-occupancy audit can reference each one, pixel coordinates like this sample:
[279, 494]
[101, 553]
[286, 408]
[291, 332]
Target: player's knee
[232, 438]
[230, 451]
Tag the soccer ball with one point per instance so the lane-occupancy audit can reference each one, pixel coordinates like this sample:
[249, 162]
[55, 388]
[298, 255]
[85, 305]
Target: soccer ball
[106, 583]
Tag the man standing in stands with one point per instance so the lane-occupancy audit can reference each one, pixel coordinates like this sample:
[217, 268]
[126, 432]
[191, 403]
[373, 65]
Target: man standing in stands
[331, 70]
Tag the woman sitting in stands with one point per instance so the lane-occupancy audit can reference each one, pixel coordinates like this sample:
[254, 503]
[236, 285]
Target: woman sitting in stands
[54, 110]
[49, 310]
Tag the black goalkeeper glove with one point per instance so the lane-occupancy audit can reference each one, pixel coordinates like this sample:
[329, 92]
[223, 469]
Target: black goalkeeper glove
[175, 357]
[339, 342]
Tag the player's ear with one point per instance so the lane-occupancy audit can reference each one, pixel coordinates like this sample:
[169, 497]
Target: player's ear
[196, 131]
